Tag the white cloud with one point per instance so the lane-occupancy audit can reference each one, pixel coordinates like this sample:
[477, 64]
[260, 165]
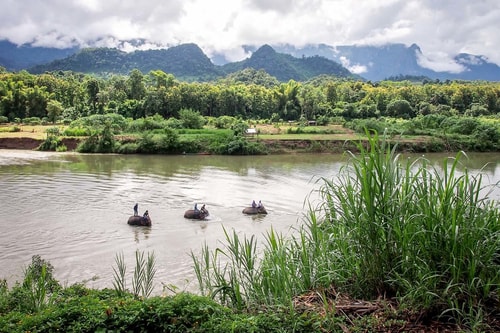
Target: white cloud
[353, 68]
[442, 29]
[439, 62]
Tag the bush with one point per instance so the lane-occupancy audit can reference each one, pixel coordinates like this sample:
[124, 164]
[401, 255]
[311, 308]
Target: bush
[10, 129]
[127, 148]
[76, 131]
[117, 123]
[32, 121]
[51, 143]
[89, 145]
[486, 137]
[191, 118]
[167, 141]
[224, 122]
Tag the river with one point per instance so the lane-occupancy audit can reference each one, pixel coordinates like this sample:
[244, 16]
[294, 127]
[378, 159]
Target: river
[72, 209]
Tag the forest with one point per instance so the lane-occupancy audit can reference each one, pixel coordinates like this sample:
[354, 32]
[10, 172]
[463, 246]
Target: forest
[427, 108]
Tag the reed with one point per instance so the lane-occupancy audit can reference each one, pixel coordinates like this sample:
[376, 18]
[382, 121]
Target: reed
[120, 282]
[40, 286]
[428, 235]
[37, 288]
[143, 277]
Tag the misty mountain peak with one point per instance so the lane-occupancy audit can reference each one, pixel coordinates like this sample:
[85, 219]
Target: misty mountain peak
[415, 48]
[264, 51]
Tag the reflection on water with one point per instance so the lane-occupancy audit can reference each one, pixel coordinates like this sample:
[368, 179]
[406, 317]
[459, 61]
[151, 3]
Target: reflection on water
[72, 209]
[141, 233]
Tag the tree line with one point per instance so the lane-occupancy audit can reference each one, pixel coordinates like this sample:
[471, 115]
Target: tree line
[67, 96]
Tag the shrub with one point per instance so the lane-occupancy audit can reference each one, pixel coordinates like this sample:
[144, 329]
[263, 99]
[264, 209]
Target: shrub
[191, 118]
[89, 145]
[51, 143]
[76, 131]
[96, 122]
[127, 148]
[32, 121]
[10, 129]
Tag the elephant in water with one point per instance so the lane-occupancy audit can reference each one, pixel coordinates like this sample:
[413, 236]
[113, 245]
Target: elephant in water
[139, 220]
[197, 215]
[254, 210]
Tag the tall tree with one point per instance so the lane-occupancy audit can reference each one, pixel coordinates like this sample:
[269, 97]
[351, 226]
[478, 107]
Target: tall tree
[93, 93]
[54, 110]
[136, 87]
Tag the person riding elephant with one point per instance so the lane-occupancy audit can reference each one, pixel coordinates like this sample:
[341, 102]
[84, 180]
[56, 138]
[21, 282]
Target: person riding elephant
[255, 209]
[198, 214]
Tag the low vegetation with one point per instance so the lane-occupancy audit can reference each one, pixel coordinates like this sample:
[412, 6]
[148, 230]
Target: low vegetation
[193, 133]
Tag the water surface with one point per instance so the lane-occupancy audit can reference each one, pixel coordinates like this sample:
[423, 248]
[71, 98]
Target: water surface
[72, 209]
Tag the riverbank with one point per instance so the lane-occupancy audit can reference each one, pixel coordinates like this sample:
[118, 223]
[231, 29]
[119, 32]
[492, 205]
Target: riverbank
[28, 143]
[274, 146]
[276, 140]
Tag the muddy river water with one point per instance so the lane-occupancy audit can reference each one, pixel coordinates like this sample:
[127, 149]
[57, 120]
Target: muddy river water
[72, 209]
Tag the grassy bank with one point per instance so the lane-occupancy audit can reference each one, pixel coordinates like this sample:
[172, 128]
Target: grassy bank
[227, 135]
[270, 139]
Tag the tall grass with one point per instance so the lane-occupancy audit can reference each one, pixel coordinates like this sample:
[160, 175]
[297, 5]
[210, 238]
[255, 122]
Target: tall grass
[39, 287]
[143, 277]
[119, 275]
[428, 235]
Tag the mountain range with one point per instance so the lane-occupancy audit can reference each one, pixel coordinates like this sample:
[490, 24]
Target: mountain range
[285, 62]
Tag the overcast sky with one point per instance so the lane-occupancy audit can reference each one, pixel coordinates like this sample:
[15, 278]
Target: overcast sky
[442, 28]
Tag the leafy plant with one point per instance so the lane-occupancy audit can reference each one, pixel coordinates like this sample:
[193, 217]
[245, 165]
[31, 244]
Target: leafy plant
[144, 273]
[120, 282]
[39, 283]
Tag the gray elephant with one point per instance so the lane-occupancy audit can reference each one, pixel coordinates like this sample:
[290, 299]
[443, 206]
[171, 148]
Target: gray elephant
[196, 214]
[254, 210]
[140, 220]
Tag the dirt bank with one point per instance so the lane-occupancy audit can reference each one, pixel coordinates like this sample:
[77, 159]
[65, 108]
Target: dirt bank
[25, 143]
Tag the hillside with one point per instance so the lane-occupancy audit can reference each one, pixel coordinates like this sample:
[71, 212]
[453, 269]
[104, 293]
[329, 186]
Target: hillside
[16, 58]
[188, 62]
[283, 61]
[377, 63]
[286, 67]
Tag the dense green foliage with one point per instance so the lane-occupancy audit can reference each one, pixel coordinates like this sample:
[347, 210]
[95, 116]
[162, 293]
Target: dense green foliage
[41, 304]
[155, 135]
[155, 106]
[428, 236]
[79, 309]
[68, 96]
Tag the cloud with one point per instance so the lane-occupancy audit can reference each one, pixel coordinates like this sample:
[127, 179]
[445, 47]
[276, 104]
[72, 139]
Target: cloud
[440, 62]
[442, 29]
[353, 68]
